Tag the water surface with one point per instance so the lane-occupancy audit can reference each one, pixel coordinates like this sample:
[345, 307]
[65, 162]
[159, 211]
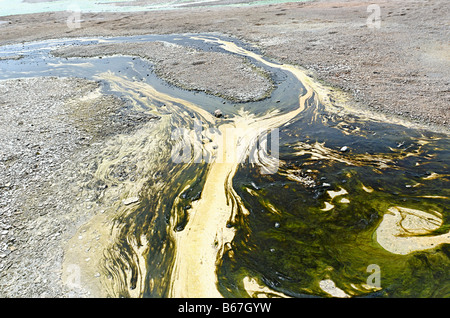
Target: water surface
[325, 216]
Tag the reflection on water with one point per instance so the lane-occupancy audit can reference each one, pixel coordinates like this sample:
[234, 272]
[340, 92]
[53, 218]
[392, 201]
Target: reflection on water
[350, 193]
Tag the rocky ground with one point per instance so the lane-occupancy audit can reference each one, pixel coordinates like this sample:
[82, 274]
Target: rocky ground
[400, 69]
[216, 73]
[47, 144]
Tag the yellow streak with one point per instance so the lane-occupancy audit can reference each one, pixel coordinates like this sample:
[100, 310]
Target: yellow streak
[434, 197]
[198, 247]
[435, 175]
[119, 84]
[367, 189]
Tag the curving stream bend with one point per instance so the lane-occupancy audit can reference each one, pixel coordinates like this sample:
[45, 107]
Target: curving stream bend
[212, 211]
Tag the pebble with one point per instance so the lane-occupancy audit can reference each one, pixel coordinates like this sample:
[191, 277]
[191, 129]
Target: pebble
[254, 186]
[130, 200]
[344, 149]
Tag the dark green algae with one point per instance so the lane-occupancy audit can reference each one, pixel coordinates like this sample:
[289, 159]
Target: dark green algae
[291, 251]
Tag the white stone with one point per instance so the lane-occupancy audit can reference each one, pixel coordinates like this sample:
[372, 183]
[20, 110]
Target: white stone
[130, 200]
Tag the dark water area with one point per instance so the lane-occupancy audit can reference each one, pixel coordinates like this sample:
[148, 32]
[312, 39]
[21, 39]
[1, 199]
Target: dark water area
[297, 233]
[292, 249]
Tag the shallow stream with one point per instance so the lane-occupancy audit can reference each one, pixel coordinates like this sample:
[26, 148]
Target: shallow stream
[346, 205]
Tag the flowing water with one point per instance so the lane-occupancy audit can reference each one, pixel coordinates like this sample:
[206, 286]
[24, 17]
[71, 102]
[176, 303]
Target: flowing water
[349, 205]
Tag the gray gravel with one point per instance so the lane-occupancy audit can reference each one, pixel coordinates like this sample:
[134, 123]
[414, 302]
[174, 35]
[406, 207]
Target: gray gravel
[400, 69]
[220, 74]
[46, 148]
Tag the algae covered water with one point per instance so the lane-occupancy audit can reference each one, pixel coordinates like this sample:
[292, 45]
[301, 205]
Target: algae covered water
[356, 206]
[319, 217]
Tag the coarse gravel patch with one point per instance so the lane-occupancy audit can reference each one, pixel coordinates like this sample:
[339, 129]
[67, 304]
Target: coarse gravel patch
[49, 132]
[216, 73]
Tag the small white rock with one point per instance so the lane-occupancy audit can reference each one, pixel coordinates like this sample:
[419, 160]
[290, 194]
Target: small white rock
[130, 200]
[344, 149]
